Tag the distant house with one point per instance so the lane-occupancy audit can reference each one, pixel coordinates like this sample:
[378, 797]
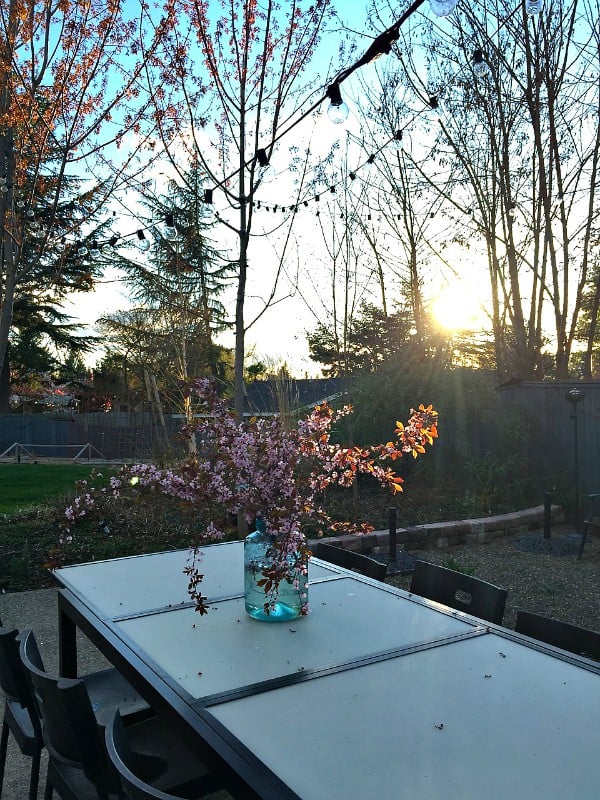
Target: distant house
[271, 397]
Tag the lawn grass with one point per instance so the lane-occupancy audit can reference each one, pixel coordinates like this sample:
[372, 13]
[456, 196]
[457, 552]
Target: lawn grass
[33, 498]
[24, 486]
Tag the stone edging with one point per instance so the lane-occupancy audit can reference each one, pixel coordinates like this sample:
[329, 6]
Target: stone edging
[445, 534]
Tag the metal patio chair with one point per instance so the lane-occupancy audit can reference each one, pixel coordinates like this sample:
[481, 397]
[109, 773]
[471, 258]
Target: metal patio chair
[459, 591]
[582, 641]
[20, 717]
[135, 787]
[357, 562]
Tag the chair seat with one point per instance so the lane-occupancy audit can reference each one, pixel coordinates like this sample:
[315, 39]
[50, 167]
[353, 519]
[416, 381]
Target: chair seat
[71, 782]
[108, 690]
[20, 723]
[155, 740]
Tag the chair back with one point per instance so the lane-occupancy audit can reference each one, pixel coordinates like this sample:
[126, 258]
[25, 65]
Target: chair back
[351, 560]
[14, 683]
[459, 591]
[69, 724]
[582, 641]
[123, 762]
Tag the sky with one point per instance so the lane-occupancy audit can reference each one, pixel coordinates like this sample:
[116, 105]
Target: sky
[279, 336]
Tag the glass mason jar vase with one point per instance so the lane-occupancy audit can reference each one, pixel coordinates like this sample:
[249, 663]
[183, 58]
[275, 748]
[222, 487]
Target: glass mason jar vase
[265, 603]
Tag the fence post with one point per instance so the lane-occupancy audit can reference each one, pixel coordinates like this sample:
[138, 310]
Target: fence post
[393, 519]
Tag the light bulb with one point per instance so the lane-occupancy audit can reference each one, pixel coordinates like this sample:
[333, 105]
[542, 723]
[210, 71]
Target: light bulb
[82, 251]
[143, 243]
[207, 213]
[338, 112]
[442, 8]
[533, 7]
[480, 65]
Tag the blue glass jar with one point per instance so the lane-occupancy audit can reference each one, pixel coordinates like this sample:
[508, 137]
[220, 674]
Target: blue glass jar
[265, 602]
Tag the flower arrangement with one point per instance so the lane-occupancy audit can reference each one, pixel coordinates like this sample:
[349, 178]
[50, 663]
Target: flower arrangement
[260, 469]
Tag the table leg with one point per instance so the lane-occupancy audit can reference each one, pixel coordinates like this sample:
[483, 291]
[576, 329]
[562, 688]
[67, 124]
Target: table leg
[67, 646]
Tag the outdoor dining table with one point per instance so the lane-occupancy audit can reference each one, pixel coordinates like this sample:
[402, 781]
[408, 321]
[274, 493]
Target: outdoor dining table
[377, 693]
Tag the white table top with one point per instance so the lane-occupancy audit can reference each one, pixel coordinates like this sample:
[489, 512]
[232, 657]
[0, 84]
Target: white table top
[227, 649]
[137, 584]
[457, 722]
[375, 694]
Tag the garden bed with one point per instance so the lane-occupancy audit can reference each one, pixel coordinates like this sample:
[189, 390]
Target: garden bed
[442, 535]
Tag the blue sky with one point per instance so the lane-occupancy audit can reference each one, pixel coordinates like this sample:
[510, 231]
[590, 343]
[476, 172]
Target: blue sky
[280, 334]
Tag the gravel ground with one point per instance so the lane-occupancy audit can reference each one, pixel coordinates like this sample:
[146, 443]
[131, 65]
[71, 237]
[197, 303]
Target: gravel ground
[552, 583]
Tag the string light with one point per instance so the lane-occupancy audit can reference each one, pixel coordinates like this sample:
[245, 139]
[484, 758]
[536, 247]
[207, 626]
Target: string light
[442, 8]
[143, 243]
[480, 65]
[262, 157]
[533, 7]
[338, 111]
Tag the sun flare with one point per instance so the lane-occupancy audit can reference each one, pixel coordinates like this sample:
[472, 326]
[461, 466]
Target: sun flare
[456, 310]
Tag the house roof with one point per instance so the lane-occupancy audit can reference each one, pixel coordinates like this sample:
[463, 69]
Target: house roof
[263, 397]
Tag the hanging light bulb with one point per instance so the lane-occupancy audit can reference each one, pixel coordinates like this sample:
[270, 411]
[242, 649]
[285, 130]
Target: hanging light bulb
[94, 250]
[480, 65]
[20, 203]
[143, 243]
[338, 110]
[208, 210]
[533, 7]
[442, 8]
[82, 250]
[262, 157]
[170, 229]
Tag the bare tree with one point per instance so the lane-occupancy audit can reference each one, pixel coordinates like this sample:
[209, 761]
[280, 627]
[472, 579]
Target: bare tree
[231, 90]
[516, 159]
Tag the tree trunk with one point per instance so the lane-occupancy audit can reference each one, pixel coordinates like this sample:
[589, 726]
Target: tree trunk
[5, 384]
